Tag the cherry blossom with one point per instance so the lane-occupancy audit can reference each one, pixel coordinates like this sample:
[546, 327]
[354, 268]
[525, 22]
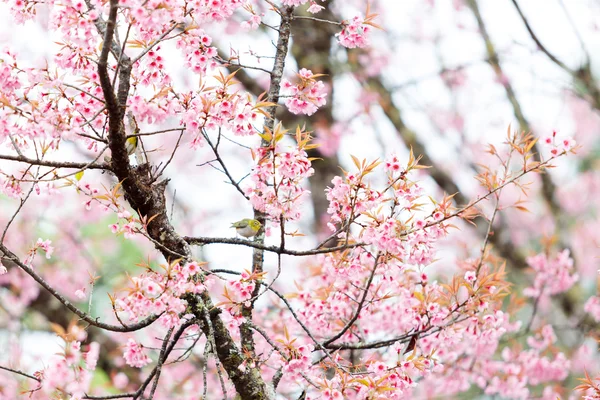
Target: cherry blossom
[134, 354]
[307, 96]
[355, 33]
[402, 298]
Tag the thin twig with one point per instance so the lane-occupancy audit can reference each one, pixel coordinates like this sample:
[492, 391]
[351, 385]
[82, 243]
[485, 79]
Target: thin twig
[16, 371]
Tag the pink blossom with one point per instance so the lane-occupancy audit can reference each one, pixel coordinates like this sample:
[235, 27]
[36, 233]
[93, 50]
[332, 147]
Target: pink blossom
[253, 23]
[45, 245]
[470, 276]
[314, 8]
[155, 293]
[557, 146]
[354, 33]
[65, 372]
[120, 380]
[592, 307]
[294, 3]
[306, 96]
[134, 354]
[568, 143]
[277, 179]
[553, 275]
[80, 294]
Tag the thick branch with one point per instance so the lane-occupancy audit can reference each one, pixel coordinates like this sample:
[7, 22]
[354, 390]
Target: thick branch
[272, 96]
[147, 197]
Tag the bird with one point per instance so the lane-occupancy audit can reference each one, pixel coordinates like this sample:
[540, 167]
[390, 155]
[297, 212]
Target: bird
[133, 130]
[131, 144]
[132, 140]
[247, 227]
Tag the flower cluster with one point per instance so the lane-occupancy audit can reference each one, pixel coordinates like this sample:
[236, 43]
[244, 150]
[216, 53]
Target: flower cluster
[314, 7]
[307, 95]
[198, 52]
[552, 275]
[44, 245]
[135, 355]
[253, 23]
[592, 307]
[70, 371]
[400, 298]
[155, 293]
[128, 228]
[218, 109]
[349, 198]
[240, 290]
[300, 360]
[9, 81]
[233, 320]
[278, 175]
[293, 3]
[151, 19]
[215, 10]
[151, 70]
[354, 33]
[557, 146]
[11, 188]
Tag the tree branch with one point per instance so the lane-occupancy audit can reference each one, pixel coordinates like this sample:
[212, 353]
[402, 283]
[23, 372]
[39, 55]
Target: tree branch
[10, 256]
[272, 96]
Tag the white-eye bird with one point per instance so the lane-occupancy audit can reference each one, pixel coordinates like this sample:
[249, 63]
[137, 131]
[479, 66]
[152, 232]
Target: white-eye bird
[247, 227]
[132, 140]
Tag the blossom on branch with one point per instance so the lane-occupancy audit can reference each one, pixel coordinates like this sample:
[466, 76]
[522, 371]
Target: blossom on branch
[306, 96]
